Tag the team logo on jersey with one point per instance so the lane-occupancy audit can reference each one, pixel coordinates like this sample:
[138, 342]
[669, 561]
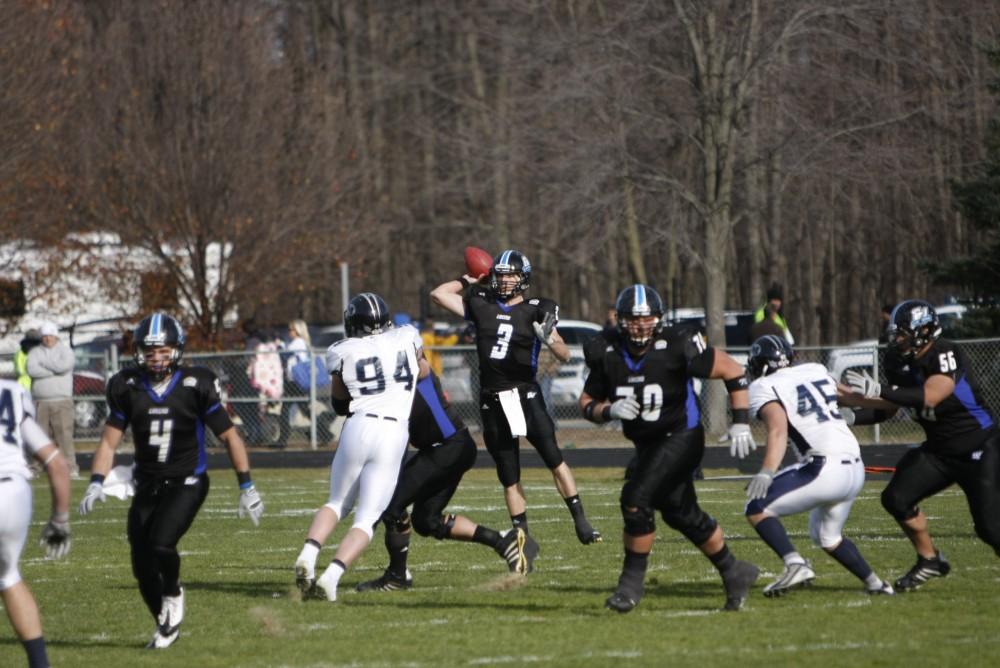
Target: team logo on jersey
[190, 381]
[532, 395]
[636, 379]
[660, 344]
[156, 410]
[130, 381]
[486, 407]
[533, 302]
[503, 316]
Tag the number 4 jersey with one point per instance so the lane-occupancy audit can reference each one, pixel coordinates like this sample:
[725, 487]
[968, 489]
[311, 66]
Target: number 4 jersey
[809, 396]
[380, 371]
[169, 426]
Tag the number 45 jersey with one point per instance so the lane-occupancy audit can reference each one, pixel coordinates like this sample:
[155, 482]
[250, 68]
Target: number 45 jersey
[380, 371]
[809, 396]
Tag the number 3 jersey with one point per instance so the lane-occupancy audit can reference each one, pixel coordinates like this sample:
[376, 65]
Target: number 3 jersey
[505, 338]
[961, 422]
[380, 371]
[809, 396]
[169, 427]
[661, 380]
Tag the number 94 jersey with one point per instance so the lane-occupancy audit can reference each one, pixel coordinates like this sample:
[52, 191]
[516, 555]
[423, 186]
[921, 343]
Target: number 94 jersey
[809, 396]
[380, 371]
[661, 380]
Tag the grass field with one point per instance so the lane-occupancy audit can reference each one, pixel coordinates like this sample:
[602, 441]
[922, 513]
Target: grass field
[242, 609]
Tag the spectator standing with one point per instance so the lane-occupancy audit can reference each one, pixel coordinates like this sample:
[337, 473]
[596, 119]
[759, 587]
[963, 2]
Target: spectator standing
[50, 366]
[769, 326]
[435, 337]
[773, 304]
[31, 339]
[297, 352]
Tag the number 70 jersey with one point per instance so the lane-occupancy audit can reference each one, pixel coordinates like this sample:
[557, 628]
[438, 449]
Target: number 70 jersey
[380, 371]
[809, 396]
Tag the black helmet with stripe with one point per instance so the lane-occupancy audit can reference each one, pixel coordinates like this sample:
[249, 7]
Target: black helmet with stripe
[366, 314]
[634, 306]
[768, 354]
[158, 330]
[514, 263]
[913, 324]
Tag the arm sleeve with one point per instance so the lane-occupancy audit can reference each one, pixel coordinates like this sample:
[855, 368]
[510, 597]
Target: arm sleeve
[334, 362]
[213, 412]
[27, 405]
[118, 408]
[31, 433]
[761, 393]
[596, 384]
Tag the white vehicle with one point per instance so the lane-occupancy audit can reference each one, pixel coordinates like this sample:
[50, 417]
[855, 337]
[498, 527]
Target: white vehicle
[567, 386]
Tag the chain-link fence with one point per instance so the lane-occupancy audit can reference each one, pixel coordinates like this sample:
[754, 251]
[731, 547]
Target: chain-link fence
[274, 407]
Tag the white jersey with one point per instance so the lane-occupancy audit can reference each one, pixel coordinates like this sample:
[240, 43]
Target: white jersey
[380, 371]
[809, 397]
[19, 433]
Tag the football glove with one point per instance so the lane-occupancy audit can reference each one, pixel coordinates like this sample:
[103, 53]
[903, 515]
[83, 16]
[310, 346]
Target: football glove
[543, 329]
[625, 409]
[250, 505]
[741, 441]
[56, 537]
[863, 384]
[759, 484]
[94, 493]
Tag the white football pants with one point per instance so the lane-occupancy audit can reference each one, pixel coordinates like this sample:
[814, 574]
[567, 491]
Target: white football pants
[15, 518]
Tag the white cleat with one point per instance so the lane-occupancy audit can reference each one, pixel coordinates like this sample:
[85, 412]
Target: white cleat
[327, 585]
[305, 577]
[794, 575]
[168, 623]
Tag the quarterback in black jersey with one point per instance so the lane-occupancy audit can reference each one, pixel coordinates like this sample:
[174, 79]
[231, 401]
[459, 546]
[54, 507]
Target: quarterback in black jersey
[428, 480]
[931, 378]
[642, 375]
[509, 334]
[168, 408]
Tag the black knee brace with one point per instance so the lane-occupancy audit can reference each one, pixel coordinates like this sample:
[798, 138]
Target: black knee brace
[696, 527]
[638, 521]
[396, 523]
[896, 506]
[433, 525]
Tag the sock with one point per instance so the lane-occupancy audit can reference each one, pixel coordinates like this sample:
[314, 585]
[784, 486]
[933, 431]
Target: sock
[520, 521]
[398, 546]
[773, 533]
[631, 581]
[575, 507]
[309, 553]
[486, 536]
[873, 581]
[334, 571]
[849, 556]
[723, 560]
[793, 557]
[35, 649]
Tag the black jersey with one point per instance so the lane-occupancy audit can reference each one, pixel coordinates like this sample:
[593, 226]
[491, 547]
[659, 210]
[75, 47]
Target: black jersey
[661, 380]
[169, 428]
[505, 338]
[961, 422]
[432, 418]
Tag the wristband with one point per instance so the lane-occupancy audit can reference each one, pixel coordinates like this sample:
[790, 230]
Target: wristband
[464, 281]
[736, 384]
[588, 410]
[741, 416]
[60, 518]
[243, 477]
[97, 477]
[606, 413]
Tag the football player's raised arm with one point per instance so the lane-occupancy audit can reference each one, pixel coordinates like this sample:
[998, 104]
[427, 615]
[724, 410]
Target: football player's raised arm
[449, 295]
[559, 347]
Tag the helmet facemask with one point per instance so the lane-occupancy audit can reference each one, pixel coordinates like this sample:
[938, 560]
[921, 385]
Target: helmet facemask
[640, 314]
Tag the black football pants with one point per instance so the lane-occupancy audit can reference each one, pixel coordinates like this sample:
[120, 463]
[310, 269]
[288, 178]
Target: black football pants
[504, 447]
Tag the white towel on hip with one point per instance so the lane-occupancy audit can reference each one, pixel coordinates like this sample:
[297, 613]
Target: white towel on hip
[119, 483]
[510, 401]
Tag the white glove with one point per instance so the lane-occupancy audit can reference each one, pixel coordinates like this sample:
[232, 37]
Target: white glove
[94, 493]
[741, 441]
[56, 537]
[848, 415]
[625, 409]
[250, 505]
[759, 484]
[863, 384]
[543, 329]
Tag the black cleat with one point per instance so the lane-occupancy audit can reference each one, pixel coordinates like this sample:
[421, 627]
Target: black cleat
[587, 534]
[737, 581]
[621, 602]
[388, 582]
[512, 547]
[922, 571]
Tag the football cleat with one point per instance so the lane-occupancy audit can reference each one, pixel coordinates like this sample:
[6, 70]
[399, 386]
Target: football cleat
[794, 575]
[621, 602]
[160, 641]
[922, 571]
[326, 585]
[305, 577]
[388, 582]
[512, 548]
[531, 550]
[168, 622]
[587, 534]
[885, 589]
[737, 581]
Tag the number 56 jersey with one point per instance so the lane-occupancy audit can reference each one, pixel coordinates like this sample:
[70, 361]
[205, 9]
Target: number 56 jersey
[380, 371]
[809, 396]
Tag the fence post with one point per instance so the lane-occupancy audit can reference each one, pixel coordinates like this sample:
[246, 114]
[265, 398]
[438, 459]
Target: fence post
[877, 430]
[312, 399]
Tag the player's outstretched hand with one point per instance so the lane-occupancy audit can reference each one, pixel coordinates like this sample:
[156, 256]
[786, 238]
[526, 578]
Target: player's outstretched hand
[625, 409]
[543, 329]
[741, 441]
[863, 384]
[250, 505]
[56, 536]
[759, 484]
[94, 493]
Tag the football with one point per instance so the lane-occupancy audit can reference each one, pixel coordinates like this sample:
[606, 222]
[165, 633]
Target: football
[477, 261]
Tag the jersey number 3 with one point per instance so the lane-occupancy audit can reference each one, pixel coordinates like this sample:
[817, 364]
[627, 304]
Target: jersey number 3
[505, 330]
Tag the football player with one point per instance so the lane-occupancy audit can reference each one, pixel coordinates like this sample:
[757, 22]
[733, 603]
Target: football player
[23, 434]
[643, 376]
[800, 402]
[509, 333]
[445, 451]
[168, 407]
[931, 379]
[374, 376]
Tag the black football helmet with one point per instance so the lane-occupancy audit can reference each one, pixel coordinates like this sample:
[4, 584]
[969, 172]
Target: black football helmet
[913, 324]
[510, 262]
[768, 354]
[638, 301]
[366, 314]
[158, 330]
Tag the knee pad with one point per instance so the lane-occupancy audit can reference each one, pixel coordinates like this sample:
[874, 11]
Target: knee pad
[396, 523]
[434, 525]
[697, 528]
[638, 521]
[896, 506]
